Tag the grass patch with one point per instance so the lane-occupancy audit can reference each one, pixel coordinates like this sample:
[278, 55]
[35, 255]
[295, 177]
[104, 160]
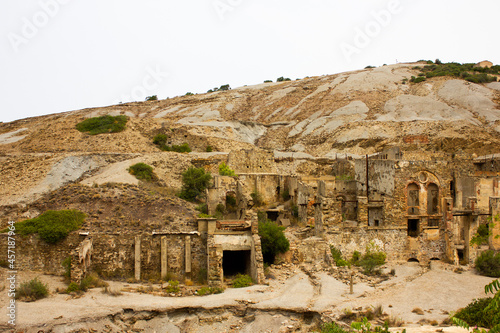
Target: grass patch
[101, 125]
[173, 286]
[464, 71]
[32, 290]
[209, 291]
[52, 226]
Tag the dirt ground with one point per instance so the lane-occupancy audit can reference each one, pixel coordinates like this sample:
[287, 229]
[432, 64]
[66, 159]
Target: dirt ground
[295, 300]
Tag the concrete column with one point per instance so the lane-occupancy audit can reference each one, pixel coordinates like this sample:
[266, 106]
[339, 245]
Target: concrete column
[137, 257]
[495, 232]
[163, 257]
[187, 255]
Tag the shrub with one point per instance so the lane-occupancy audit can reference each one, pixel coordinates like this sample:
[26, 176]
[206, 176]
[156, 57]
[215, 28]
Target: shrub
[72, 287]
[488, 263]
[209, 291]
[91, 281]
[282, 79]
[257, 198]
[194, 183]
[160, 139]
[189, 94]
[52, 226]
[477, 313]
[371, 259]
[231, 204]
[104, 124]
[242, 280]
[152, 98]
[268, 81]
[66, 264]
[173, 286]
[356, 257]
[482, 235]
[32, 290]
[273, 240]
[203, 208]
[332, 328]
[209, 149]
[142, 171]
[337, 256]
[295, 211]
[224, 170]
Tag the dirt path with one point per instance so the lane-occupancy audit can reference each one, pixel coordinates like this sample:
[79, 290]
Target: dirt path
[290, 304]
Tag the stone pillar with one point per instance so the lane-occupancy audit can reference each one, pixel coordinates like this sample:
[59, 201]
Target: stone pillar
[318, 216]
[163, 257]
[215, 254]
[495, 232]
[137, 257]
[187, 254]
[363, 211]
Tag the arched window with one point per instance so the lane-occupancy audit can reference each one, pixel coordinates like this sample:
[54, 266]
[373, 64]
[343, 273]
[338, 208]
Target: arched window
[432, 199]
[413, 199]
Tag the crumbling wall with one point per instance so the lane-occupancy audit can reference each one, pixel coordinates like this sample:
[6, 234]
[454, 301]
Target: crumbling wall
[251, 161]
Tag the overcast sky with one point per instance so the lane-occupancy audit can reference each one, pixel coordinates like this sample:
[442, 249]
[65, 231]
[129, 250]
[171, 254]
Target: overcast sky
[62, 55]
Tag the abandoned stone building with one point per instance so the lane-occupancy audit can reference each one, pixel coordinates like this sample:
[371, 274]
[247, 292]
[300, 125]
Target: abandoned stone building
[415, 207]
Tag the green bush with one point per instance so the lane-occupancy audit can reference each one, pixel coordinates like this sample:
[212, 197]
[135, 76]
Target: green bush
[194, 183]
[477, 313]
[173, 286]
[257, 198]
[52, 226]
[104, 124]
[282, 79]
[203, 208]
[142, 171]
[241, 281]
[482, 235]
[66, 264]
[268, 81]
[332, 328]
[273, 240]
[488, 263]
[32, 290]
[209, 149]
[209, 291]
[72, 287]
[152, 98]
[231, 204]
[161, 141]
[224, 170]
[371, 260]
[189, 94]
[91, 281]
[356, 257]
[337, 257]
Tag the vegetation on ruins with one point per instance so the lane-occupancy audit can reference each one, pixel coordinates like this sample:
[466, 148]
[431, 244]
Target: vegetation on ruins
[257, 198]
[372, 258]
[142, 171]
[194, 183]
[209, 291]
[173, 286]
[32, 290]
[273, 239]
[488, 263]
[225, 170]
[469, 72]
[242, 280]
[484, 312]
[282, 79]
[104, 124]
[52, 226]
[209, 149]
[482, 235]
[161, 141]
[152, 98]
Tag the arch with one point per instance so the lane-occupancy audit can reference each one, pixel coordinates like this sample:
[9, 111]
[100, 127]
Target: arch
[435, 259]
[413, 198]
[432, 199]
[413, 260]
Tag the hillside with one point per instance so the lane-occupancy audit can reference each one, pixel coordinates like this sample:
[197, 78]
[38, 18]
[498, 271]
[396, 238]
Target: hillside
[349, 113]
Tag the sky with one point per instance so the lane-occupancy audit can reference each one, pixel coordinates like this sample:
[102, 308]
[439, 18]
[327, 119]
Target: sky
[63, 55]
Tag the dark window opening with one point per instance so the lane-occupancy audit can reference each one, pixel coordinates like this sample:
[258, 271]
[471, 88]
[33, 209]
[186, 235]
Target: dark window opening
[433, 223]
[435, 259]
[234, 262]
[460, 254]
[413, 228]
[377, 223]
[432, 199]
[413, 260]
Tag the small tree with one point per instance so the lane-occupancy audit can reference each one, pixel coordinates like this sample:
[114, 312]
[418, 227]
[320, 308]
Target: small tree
[194, 183]
[224, 170]
[142, 171]
[273, 240]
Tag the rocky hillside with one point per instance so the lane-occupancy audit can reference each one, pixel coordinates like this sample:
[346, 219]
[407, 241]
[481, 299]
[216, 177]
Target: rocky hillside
[349, 113]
